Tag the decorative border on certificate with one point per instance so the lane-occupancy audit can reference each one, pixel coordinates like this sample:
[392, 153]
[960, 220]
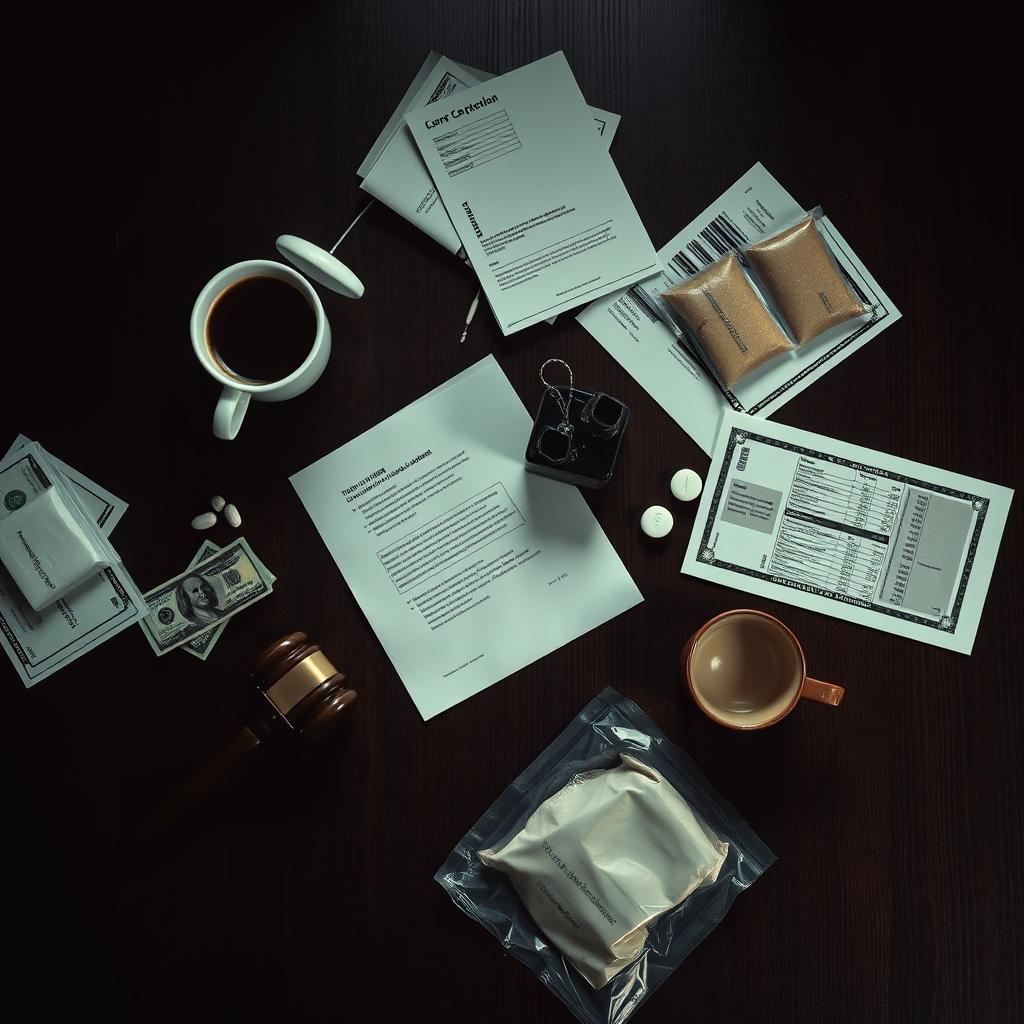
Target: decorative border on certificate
[947, 624]
[121, 602]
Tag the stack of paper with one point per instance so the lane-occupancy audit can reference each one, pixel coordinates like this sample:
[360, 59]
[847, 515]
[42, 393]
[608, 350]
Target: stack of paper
[509, 173]
[40, 643]
[468, 568]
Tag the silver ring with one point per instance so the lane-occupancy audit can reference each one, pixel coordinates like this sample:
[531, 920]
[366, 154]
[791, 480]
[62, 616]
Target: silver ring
[544, 365]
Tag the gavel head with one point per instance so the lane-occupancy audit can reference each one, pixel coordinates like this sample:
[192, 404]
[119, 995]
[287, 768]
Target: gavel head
[299, 691]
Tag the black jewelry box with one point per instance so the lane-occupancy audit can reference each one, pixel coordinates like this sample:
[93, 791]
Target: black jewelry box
[583, 451]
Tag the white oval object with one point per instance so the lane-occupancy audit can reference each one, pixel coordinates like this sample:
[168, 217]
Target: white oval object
[320, 265]
[217, 503]
[204, 520]
[232, 516]
[656, 521]
[686, 485]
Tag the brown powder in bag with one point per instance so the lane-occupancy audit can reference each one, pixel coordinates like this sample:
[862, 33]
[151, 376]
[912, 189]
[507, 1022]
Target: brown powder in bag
[806, 285]
[732, 324]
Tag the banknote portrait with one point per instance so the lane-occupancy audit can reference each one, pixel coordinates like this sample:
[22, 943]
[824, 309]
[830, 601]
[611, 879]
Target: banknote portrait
[197, 600]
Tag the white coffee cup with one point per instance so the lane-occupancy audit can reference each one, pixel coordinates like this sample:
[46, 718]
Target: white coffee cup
[237, 393]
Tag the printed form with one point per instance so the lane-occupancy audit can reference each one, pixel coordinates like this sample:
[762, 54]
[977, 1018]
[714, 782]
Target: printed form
[467, 567]
[851, 532]
[393, 170]
[542, 213]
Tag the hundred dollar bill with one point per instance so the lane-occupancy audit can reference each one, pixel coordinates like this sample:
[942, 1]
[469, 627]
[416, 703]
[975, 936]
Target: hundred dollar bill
[204, 596]
[203, 644]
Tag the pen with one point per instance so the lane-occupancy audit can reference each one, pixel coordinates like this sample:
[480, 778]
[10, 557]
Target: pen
[470, 315]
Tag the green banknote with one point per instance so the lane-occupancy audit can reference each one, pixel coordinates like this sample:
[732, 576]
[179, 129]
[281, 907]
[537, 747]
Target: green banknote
[204, 596]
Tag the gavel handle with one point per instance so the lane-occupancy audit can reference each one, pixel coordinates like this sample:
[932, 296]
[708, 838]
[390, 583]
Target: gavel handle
[214, 776]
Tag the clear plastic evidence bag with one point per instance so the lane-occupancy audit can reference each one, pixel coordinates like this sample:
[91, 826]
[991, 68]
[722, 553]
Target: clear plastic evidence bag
[606, 862]
[801, 291]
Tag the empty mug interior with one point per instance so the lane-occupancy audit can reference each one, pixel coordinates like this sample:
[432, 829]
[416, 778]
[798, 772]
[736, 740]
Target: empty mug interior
[746, 669]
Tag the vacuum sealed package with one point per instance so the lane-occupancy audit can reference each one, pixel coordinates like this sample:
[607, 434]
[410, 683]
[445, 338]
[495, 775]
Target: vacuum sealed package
[804, 280]
[49, 544]
[733, 326]
[762, 300]
[49, 548]
[605, 863]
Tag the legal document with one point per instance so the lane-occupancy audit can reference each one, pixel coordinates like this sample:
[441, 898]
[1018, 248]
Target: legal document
[393, 170]
[467, 567]
[540, 209]
[851, 532]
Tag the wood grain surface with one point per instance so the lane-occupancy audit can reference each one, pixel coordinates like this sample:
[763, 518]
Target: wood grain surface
[148, 152]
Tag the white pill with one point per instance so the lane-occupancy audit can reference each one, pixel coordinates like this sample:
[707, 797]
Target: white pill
[686, 485]
[656, 521]
[204, 521]
[232, 516]
[217, 503]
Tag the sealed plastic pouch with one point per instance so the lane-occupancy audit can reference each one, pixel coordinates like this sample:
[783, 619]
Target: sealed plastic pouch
[803, 279]
[733, 326]
[51, 545]
[49, 548]
[604, 864]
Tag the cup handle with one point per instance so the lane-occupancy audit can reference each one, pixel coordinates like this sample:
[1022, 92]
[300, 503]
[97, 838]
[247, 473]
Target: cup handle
[823, 693]
[230, 411]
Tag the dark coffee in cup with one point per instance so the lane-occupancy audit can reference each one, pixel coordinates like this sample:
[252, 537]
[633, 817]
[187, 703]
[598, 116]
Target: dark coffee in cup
[260, 329]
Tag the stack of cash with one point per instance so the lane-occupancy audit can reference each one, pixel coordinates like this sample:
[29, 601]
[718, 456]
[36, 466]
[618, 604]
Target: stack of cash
[192, 609]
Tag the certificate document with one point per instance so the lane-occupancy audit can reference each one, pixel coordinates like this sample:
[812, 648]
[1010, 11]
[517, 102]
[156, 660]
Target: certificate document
[40, 643]
[538, 204]
[851, 532]
[105, 508]
[467, 567]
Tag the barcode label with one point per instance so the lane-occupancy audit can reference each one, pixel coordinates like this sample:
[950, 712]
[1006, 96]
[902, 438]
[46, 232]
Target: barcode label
[644, 303]
[711, 243]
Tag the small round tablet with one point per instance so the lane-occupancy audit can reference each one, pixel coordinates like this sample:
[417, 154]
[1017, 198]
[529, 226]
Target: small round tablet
[656, 521]
[686, 485]
[217, 503]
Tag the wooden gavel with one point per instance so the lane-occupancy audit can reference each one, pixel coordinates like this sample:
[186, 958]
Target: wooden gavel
[300, 696]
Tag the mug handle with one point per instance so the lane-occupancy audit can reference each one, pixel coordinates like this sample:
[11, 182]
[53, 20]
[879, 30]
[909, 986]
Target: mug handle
[823, 693]
[230, 411]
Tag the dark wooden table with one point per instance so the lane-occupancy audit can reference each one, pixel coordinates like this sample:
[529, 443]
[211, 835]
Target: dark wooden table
[149, 154]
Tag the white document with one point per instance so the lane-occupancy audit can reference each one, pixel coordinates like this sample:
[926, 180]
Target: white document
[105, 508]
[627, 325]
[40, 643]
[851, 532]
[538, 204]
[394, 171]
[467, 567]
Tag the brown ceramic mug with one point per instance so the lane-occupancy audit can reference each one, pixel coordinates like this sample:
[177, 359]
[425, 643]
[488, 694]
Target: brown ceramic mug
[746, 670]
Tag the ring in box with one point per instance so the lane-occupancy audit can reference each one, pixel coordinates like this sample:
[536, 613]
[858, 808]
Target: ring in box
[576, 436]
